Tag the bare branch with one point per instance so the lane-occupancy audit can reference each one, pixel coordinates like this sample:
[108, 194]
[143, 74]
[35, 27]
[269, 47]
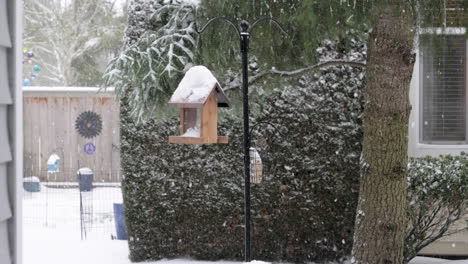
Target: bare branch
[442, 231]
[314, 67]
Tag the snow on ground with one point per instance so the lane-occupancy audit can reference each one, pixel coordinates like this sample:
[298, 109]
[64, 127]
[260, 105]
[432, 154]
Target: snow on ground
[52, 233]
[44, 247]
[59, 209]
[41, 248]
[424, 260]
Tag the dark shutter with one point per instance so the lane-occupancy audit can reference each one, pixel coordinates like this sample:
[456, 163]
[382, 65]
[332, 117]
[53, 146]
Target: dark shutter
[443, 89]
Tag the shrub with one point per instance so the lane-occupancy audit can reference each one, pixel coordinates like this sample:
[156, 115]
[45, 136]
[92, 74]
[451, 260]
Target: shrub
[437, 191]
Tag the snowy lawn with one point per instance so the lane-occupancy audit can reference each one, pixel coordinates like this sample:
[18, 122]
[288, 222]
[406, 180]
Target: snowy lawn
[59, 209]
[41, 248]
[52, 231]
[46, 246]
[424, 260]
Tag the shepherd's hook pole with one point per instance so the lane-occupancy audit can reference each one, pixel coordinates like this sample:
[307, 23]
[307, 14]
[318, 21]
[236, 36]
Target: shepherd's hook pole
[245, 36]
[244, 32]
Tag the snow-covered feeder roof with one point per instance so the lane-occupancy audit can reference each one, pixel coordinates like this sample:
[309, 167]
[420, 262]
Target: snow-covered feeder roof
[53, 159]
[84, 171]
[31, 179]
[196, 87]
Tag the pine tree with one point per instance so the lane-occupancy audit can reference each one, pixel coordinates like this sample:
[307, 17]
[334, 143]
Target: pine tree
[158, 49]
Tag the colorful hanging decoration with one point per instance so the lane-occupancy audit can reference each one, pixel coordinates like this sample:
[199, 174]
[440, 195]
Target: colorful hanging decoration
[88, 124]
[28, 56]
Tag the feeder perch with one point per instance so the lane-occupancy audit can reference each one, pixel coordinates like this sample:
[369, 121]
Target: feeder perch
[256, 167]
[198, 96]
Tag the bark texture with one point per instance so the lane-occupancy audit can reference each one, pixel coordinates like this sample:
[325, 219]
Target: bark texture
[380, 219]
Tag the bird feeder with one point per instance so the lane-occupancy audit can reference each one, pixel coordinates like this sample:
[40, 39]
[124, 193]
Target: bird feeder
[53, 163]
[256, 167]
[198, 97]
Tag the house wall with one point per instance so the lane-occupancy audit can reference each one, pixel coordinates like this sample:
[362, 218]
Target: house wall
[10, 132]
[49, 128]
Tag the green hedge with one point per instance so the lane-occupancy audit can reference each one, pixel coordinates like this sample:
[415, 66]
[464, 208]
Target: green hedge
[187, 200]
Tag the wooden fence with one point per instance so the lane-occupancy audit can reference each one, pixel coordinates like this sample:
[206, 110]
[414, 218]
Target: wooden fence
[49, 128]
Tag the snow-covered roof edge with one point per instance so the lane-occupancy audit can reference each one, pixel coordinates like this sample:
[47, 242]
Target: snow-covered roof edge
[67, 89]
[196, 87]
[51, 91]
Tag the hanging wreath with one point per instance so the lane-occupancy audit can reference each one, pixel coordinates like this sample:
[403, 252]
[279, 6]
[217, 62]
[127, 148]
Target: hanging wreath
[88, 124]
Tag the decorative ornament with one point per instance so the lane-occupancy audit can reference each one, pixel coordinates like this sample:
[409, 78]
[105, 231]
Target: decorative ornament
[30, 54]
[88, 124]
[29, 61]
[25, 50]
[27, 82]
[37, 68]
[89, 148]
[33, 76]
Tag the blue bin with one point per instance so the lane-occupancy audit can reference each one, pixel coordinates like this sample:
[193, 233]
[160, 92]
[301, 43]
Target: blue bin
[32, 186]
[85, 179]
[119, 218]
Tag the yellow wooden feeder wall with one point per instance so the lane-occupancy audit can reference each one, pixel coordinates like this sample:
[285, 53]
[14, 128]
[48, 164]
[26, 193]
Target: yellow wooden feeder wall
[198, 96]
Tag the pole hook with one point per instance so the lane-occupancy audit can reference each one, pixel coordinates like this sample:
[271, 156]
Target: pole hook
[199, 32]
[271, 20]
[268, 123]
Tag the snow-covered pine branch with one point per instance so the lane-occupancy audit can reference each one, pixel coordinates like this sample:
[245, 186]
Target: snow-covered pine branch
[159, 48]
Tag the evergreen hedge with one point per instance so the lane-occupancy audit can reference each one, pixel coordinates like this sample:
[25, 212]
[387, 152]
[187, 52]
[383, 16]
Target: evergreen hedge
[187, 200]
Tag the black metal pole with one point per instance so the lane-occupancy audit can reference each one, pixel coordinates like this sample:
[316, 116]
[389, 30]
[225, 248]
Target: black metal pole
[245, 36]
[244, 32]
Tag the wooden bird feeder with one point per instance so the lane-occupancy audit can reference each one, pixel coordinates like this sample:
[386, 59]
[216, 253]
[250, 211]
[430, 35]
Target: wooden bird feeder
[198, 96]
[256, 167]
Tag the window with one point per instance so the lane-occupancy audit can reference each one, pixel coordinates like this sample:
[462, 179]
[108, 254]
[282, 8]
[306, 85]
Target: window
[443, 89]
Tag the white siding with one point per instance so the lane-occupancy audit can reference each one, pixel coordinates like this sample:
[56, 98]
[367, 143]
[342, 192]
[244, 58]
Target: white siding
[10, 131]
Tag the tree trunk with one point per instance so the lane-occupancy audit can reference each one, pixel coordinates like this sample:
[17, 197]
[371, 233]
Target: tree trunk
[381, 213]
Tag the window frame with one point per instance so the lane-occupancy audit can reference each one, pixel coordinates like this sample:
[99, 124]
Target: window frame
[440, 31]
